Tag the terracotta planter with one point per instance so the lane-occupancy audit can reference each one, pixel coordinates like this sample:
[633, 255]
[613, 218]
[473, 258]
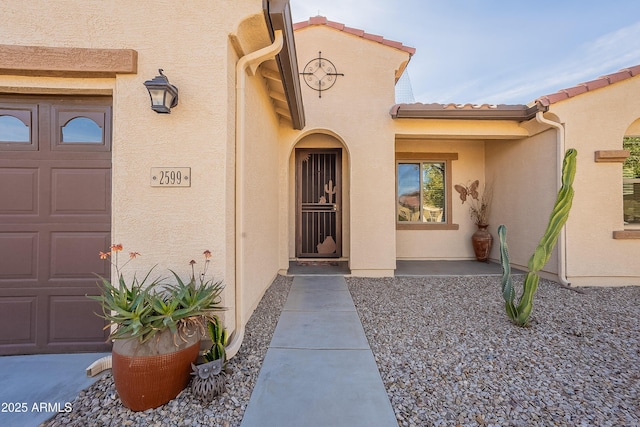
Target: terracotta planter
[149, 375]
[482, 241]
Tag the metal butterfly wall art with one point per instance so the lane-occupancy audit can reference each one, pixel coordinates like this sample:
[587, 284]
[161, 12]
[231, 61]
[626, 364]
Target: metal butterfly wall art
[471, 191]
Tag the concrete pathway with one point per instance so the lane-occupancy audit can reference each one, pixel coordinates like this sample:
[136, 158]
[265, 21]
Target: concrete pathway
[319, 369]
[35, 388]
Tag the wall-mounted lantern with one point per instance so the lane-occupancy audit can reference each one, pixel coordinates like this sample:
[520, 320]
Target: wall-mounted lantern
[164, 95]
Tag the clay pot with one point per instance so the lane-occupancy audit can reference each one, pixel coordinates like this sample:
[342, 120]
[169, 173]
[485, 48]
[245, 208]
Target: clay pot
[482, 241]
[149, 375]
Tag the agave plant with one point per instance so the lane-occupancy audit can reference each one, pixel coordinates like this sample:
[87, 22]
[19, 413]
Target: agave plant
[143, 308]
[126, 306]
[520, 313]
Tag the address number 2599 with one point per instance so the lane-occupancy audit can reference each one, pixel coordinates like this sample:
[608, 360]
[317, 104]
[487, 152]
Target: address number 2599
[170, 177]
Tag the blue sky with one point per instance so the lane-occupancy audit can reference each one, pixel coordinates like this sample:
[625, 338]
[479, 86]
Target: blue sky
[496, 51]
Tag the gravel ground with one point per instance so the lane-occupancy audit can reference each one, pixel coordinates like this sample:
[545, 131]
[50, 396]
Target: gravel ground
[99, 405]
[449, 356]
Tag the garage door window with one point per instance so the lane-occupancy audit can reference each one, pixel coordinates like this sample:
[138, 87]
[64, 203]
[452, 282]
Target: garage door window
[81, 130]
[16, 130]
[12, 129]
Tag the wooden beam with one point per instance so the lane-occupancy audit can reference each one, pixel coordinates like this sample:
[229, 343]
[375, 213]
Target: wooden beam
[270, 74]
[284, 113]
[278, 96]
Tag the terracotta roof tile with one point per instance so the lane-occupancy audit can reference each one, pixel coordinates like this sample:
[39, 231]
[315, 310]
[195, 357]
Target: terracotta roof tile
[634, 70]
[619, 76]
[596, 84]
[354, 31]
[336, 25]
[321, 20]
[581, 88]
[576, 90]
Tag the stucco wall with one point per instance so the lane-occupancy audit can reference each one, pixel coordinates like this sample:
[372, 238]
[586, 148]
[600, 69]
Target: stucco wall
[595, 121]
[190, 41]
[261, 233]
[356, 110]
[524, 178]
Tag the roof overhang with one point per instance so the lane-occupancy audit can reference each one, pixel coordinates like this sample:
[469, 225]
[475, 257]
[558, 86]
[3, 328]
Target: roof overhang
[518, 113]
[278, 17]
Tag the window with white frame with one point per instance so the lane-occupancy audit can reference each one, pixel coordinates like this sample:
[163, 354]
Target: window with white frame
[631, 181]
[423, 190]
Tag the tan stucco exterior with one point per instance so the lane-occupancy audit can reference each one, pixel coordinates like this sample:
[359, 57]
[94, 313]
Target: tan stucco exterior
[170, 226]
[354, 113]
[596, 121]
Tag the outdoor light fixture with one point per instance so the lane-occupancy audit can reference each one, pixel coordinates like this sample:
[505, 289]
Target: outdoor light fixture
[164, 95]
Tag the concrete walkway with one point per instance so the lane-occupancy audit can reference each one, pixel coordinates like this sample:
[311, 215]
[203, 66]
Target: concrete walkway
[35, 388]
[319, 369]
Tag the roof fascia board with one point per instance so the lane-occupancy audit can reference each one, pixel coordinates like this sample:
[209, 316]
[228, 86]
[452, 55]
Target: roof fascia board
[278, 17]
[518, 113]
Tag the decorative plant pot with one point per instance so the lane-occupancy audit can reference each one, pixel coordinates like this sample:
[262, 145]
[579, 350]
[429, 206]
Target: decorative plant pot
[482, 241]
[151, 374]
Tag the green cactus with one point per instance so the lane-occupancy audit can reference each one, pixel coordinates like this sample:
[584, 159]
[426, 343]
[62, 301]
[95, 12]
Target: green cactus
[520, 314]
[219, 336]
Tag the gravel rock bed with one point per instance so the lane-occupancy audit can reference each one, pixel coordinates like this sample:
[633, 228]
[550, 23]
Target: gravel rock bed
[99, 405]
[449, 356]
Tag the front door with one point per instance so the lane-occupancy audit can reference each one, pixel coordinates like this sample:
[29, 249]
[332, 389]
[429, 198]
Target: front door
[318, 203]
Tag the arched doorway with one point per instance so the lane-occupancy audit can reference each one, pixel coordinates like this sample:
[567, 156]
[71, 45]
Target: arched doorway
[321, 197]
[318, 203]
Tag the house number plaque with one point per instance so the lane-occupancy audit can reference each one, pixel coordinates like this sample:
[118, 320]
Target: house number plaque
[171, 177]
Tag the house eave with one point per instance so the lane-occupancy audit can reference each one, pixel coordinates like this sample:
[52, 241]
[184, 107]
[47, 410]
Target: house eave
[517, 113]
[278, 17]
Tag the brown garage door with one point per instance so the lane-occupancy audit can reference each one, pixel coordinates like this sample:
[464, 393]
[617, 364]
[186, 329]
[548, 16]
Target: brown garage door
[55, 216]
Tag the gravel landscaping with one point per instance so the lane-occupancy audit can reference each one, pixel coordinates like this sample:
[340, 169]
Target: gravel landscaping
[448, 356]
[99, 405]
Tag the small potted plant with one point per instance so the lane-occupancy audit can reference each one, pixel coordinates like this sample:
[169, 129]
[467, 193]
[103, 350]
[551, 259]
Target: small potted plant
[479, 206]
[156, 328]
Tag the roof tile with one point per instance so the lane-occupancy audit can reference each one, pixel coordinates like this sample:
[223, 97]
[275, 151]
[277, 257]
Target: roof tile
[581, 88]
[321, 20]
[576, 90]
[336, 25]
[619, 76]
[597, 84]
[354, 31]
[373, 37]
[634, 70]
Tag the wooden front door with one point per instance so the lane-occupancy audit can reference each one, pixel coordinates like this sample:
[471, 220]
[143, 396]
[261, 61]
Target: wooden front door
[318, 203]
[55, 217]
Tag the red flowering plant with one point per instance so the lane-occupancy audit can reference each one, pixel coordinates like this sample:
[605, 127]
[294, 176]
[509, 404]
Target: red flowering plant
[145, 307]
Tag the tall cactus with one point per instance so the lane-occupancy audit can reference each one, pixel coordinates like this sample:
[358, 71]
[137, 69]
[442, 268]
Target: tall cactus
[520, 314]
